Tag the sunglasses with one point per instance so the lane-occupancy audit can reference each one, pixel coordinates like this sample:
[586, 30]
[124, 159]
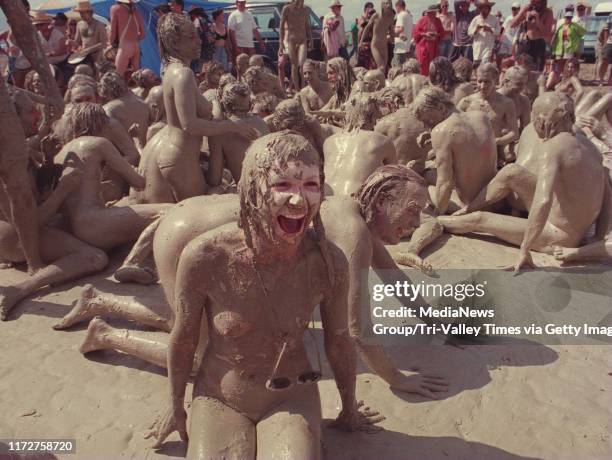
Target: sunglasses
[276, 383]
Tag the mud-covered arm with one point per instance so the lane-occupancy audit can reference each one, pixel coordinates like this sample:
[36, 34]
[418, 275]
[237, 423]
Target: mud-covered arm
[117, 163]
[117, 134]
[214, 175]
[282, 30]
[511, 125]
[189, 299]
[542, 199]
[441, 143]
[578, 88]
[602, 225]
[186, 91]
[68, 183]
[339, 347]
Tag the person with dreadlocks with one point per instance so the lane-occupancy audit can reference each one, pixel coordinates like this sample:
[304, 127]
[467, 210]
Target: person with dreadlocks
[171, 160]
[442, 75]
[255, 377]
[352, 154]
[228, 151]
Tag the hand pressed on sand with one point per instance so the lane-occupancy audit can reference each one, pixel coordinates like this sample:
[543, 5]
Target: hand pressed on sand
[173, 419]
[359, 419]
[427, 385]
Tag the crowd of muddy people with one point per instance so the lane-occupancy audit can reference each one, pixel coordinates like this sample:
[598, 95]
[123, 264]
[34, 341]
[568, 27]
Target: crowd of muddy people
[252, 203]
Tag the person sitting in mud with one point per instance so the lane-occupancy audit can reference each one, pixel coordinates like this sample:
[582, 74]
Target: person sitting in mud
[569, 192]
[123, 105]
[242, 64]
[317, 92]
[340, 76]
[463, 68]
[171, 161]
[569, 82]
[404, 129]
[264, 105]
[214, 96]
[211, 74]
[373, 80]
[280, 194]
[261, 81]
[595, 120]
[144, 79]
[386, 207]
[227, 151]
[79, 80]
[157, 113]
[442, 75]
[84, 149]
[354, 153]
[464, 147]
[410, 81]
[499, 108]
[532, 89]
[513, 85]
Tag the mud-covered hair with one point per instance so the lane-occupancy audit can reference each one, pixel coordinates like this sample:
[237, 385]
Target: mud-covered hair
[362, 112]
[112, 86]
[383, 184]
[171, 30]
[488, 69]
[265, 103]
[229, 95]
[442, 74]
[29, 80]
[431, 98]
[83, 119]
[262, 157]
[289, 114]
[552, 113]
[463, 68]
[411, 66]
[344, 80]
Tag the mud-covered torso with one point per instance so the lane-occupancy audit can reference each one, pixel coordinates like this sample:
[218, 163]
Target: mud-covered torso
[248, 323]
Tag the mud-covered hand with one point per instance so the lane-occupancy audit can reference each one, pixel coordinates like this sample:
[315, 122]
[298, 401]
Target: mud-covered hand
[523, 260]
[424, 140]
[173, 419]
[359, 419]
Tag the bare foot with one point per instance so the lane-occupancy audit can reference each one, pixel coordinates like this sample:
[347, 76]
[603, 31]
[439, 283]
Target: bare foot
[565, 255]
[84, 309]
[9, 297]
[34, 267]
[96, 331]
[135, 274]
[410, 259]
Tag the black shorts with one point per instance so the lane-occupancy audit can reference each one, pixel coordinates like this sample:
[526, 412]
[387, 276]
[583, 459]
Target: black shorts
[537, 50]
[607, 52]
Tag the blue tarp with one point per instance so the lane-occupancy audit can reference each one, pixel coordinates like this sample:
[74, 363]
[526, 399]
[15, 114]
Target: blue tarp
[148, 46]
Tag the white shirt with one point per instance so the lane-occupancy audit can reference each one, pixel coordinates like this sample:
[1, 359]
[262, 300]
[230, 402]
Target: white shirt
[340, 31]
[508, 37]
[484, 40]
[404, 19]
[242, 23]
[53, 45]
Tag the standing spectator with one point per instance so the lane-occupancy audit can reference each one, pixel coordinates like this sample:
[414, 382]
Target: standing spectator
[364, 56]
[52, 40]
[89, 31]
[566, 42]
[604, 39]
[334, 33]
[484, 30]
[126, 32]
[222, 44]
[580, 16]
[536, 22]
[508, 34]
[462, 42]
[243, 30]
[60, 22]
[354, 42]
[177, 6]
[403, 34]
[427, 34]
[202, 24]
[448, 20]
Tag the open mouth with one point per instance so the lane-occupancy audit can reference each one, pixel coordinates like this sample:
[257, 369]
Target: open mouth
[291, 225]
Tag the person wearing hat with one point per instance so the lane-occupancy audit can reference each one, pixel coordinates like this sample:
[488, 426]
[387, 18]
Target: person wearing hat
[566, 41]
[484, 30]
[508, 33]
[428, 34]
[243, 30]
[334, 35]
[51, 39]
[126, 31]
[89, 31]
[462, 42]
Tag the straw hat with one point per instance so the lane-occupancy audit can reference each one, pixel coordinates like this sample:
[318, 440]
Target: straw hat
[39, 17]
[83, 7]
[335, 3]
[128, 1]
[433, 7]
[483, 3]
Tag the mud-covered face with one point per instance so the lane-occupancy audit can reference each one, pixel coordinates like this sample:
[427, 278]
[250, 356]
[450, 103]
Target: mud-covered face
[370, 83]
[398, 217]
[295, 198]
[486, 85]
[332, 75]
[82, 94]
[570, 68]
[193, 42]
[37, 85]
[309, 73]
[516, 83]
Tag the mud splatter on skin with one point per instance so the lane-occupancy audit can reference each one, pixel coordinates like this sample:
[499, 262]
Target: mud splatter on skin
[236, 99]
[112, 86]
[463, 68]
[172, 32]
[82, 119]
[553, 113]
[442, 74]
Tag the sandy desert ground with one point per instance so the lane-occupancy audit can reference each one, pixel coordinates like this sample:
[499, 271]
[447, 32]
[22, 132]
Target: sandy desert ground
[505, 402]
